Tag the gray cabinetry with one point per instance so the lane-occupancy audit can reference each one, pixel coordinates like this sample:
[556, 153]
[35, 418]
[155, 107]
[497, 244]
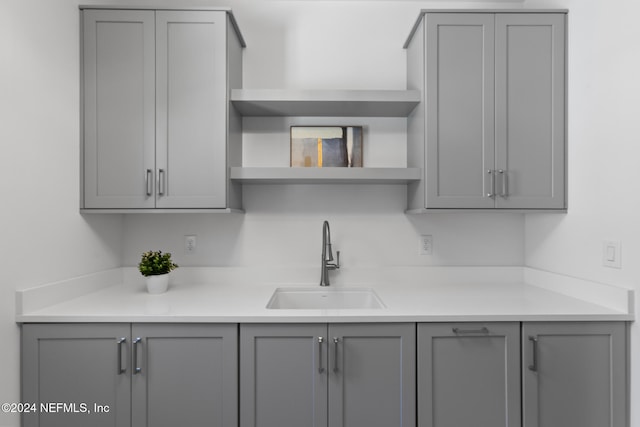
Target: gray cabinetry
[157, 126]
[141, 375]
[335, 375]
[534, 374]
[185, 375]
[76, 364]
[490, 132]
[469, 374]
[371, 374]
[118, 108]
[283, 379]
[574, 374]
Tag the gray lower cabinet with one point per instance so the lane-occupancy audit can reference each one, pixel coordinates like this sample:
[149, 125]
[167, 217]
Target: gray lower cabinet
[490, 132]
[469, 374]
[534, 374]
[185, 375]
[156, 118]
[138, 375]
[318, 375]
[574, 374]
[76, 364]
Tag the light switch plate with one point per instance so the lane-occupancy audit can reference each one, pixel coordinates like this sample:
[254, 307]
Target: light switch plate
[611, 254]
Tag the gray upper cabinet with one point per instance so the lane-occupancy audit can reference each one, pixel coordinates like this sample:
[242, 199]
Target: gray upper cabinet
[119, 108]
[574, 374]
[327, 375]
[158, 130]
[469, 374]
[490, 132]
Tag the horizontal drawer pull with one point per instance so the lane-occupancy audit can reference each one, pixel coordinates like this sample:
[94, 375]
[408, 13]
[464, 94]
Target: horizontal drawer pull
[482, 331]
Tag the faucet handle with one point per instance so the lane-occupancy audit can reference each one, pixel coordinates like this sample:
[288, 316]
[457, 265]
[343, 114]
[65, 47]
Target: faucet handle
[333, 265]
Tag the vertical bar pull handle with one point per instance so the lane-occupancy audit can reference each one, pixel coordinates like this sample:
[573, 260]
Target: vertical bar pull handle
[503, 176]
[148, 181]
[120, 342]
[336, 341]
[161, 182]
[534, 365]
[136, 369]
[492, 179]
[320, 367]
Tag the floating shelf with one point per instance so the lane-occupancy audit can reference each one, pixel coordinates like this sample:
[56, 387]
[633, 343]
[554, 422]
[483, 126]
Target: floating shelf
[325, 103]
[160, 211]
[286, 175]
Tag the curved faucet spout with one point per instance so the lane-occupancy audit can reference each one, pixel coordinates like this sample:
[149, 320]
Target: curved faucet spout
[327, 256]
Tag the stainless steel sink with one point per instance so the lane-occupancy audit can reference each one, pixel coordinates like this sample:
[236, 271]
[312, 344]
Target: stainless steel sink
[324, 299]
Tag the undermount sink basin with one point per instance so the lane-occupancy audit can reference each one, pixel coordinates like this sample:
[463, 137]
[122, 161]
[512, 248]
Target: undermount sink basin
[324, 299]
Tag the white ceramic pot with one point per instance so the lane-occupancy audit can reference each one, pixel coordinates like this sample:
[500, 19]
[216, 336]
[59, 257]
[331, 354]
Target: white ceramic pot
[157, 284]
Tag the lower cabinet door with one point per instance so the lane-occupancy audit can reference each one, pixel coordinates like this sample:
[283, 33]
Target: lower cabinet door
[283, 375]
[319, 375]
[76, 375]
[372, 375]
[469, 375]
[185, 375]
[574, 374]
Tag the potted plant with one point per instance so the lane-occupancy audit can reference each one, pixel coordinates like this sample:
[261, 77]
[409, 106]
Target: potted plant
[156, 266]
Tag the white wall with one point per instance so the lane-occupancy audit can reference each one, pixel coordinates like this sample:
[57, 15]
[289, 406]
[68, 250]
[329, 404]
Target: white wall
[43, 238]
[304, 44]
[327, 45]
[604, 148]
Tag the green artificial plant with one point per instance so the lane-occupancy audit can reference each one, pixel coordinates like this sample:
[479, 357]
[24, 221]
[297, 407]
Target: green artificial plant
[156, 262]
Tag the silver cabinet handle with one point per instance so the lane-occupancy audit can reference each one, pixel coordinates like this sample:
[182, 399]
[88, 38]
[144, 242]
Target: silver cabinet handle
[481, 331]
[161, 182]
[336, 341]
[120, 343]
[534, 366]
[320, 367]
[136, 368]
[503, 176]
[148, 182]
[492, 182]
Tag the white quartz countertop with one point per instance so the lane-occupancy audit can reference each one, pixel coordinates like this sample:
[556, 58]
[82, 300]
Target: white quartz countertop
[445, 295]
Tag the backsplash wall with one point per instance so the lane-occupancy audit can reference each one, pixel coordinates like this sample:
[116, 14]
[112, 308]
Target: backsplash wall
[282, 227]
[327, 45]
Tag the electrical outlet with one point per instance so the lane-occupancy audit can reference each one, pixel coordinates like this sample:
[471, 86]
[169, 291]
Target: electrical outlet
[190, 244]
[426, 245]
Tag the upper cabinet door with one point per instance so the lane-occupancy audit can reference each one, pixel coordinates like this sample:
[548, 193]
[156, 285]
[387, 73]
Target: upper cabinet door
[119, 108]
[191, 109]
[459, 98]
[530, 110]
